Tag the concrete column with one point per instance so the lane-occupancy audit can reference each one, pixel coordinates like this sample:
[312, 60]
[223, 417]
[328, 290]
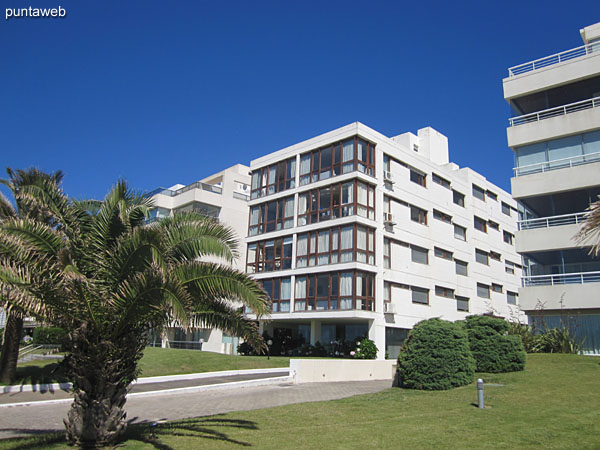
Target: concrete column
[315, 331]
[377, 335]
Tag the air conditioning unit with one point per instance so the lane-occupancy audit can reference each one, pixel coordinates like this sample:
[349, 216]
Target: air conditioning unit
[388, 219]
[390, 308]
[387, 176]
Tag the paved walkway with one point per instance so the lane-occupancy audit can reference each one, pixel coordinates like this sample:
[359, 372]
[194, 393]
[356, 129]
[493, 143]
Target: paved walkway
[40, 418]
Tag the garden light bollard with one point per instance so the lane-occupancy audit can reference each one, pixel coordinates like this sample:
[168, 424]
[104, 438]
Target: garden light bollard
[480, 393]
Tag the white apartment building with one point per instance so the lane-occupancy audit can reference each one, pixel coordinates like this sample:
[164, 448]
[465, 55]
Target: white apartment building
[223, 196]
[353, 233]
[554, 133]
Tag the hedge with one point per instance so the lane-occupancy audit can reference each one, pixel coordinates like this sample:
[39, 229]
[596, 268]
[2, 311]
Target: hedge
[49, 336]
[436, 356]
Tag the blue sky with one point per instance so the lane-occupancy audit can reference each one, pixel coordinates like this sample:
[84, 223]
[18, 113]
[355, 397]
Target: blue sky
[163, 92]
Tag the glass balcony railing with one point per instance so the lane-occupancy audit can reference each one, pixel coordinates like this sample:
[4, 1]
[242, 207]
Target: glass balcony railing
[561, 279]
[189, 187]
[557, 164]
[555, 112]
[552, 221]
[593, 47]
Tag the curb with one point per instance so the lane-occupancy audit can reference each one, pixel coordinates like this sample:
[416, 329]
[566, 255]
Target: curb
[191, 389]
[146, 380]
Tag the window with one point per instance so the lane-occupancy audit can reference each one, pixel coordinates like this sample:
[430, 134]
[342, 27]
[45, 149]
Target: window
[506, 209]
[335, 290]
[441, 253]
[336, 159]
[441, 216]
[482, 257]
[278, 290]
[418, 215]
[458, 198]
[511, 298]
[336, 245]
[461, 268]
[496, 287]
[483, 290]
[420, 295]
[491, 195]
[460, 232]
[271, 216]
[439, 180]
[508, 237]
[509, 267]
[493, 225]
[387, 291]
[387, 253]
[480, 224]
[418, 177]
[335, 201]
[495, 256]
[274, 178]
[267, 256]
[419, 254]
[441, 291]
[478, 192]
[462, 304]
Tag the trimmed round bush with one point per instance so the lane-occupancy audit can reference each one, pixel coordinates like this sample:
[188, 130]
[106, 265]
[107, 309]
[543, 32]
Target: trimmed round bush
[436, 356]
[365, 349]
[493, 349]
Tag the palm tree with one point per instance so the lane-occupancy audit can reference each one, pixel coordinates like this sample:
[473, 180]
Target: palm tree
[22, 208]
[590, 232]
[99, 272]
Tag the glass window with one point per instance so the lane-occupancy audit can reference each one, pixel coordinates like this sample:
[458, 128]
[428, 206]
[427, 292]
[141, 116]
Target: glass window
[274, 178]
[591, 142]
[492, 195]
[480, 224]
[506, 209]
[441, 216]
[271, 216]
[267, 256]
[478, 192]
[496, 287]
[482, 257]
[279, 292]
[508, 237]
[461, 268]
[439, 180]
[462, 304]
[420, 295]
[387, 253]
[495, 256]
[509, 267]
[441, 253]
[460, 232]
[419, 254]
[418, 177]
[441, 291]
[458, 198]
[483, 290]
[418, 215]
[511, 298]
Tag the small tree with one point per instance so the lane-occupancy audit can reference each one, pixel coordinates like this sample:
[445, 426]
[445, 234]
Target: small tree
[436, 356]
[491, 346]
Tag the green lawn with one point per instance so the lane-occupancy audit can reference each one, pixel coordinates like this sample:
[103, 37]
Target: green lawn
[158, 361]
[554, 403]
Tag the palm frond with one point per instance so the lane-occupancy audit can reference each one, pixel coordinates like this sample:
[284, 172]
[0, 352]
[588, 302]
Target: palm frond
[590, 232]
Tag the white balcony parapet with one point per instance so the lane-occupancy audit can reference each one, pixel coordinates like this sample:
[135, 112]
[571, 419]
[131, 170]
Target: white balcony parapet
[189, 187]
[592, 47]
[555, 112]
[552, 221]
[561, 278]
[557, 164]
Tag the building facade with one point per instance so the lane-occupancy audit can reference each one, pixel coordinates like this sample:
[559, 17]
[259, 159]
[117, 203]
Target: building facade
[224, 197]
[554, 133]
[353, 234]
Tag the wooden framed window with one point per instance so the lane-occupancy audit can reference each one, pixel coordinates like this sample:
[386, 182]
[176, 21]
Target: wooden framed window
[387, 253]
[442, 216]
[279, 292]
[482, 257]
[497, 287]
[506, 209]
[439, 180]
[479, 193]
[271, 216]
[441, 253]
[480, 224]
[491, 195]
[493, 225]
[458, 198]
[508, 237]
[418, 215]
[277, 177]
[495, 256]
[268, 256]
[418, 177]
[441, 291]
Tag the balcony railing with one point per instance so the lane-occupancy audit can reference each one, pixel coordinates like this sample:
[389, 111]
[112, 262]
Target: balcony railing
[555, 112]
[241, 196]
[189, 187]
[557, 164]
[552, 221]
[567, 55]
[562, 278]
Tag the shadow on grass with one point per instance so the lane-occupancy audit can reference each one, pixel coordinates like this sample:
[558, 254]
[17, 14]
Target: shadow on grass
[37, 375]
[39, 439]
[210, 428]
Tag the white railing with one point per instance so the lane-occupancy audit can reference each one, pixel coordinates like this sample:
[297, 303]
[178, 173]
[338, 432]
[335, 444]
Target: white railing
[555, 112]
[554, 59]
[562, 278]
[552, 221]
[189, 187]
[241, 196]
[557, 164]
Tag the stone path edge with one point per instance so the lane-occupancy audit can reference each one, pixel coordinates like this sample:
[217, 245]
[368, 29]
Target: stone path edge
[192, 389]
[145, 380]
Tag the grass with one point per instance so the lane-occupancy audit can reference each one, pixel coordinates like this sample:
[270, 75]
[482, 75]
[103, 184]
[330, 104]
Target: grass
[554, 403]
[157, 362]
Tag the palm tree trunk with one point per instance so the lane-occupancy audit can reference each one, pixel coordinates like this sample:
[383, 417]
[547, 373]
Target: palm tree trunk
[10, 347]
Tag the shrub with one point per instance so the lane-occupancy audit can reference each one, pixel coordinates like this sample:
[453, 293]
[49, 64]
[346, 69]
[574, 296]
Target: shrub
[436, 356]
[365, 349]
[491, 346]
[49, 336]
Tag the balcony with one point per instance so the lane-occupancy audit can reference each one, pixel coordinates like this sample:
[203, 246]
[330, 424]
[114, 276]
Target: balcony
[555, 112]
[557, 164]
[557, 58]
[189, 187]
[552, 221]
[561, 278]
